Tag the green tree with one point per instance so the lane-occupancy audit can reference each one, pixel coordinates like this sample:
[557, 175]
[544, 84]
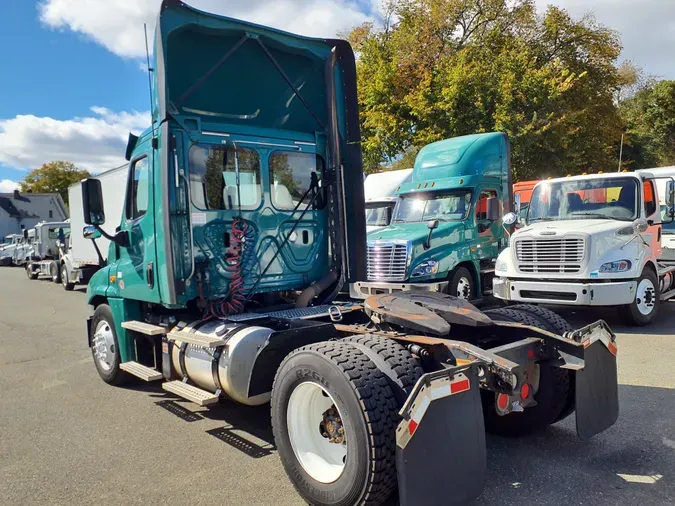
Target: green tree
[53, 177]
[454, 67]
[650, 126]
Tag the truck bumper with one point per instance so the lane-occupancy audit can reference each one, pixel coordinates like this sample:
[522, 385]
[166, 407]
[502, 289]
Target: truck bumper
[364, 289]
[578, 294]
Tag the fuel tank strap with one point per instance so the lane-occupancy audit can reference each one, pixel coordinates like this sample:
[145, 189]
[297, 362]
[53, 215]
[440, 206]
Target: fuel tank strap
[181, 360]
[218, 352]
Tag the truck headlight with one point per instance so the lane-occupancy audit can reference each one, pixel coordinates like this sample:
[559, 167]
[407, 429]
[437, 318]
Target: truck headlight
[501, 266]
[425, 269]
[618, 266]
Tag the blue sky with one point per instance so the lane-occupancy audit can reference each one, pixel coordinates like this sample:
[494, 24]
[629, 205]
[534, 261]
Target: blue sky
[72, 82]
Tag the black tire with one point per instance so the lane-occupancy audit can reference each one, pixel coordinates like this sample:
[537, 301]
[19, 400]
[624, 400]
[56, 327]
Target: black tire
[633, 315]
[67, 285]
[30, 272]
[462, 274]
[115, 376]
[55, 271]
[552, 396]
[367, 406]
[398, 364]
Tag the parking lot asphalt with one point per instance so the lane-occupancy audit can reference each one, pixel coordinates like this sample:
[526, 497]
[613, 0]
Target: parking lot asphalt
[68, 438]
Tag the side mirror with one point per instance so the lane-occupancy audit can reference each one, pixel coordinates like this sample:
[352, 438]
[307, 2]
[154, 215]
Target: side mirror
[670, 193]
[92, 202]
[91, 232]
[516, 204]
[492, 209]
[432, 224]
[509, 218]
[640, 226]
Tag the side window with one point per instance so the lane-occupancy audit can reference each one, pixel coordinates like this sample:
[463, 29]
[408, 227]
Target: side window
[291, 176]
[138, 191]
[650, 201]
[481, 204]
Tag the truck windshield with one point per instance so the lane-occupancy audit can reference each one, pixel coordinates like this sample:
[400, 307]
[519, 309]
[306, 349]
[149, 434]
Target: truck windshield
[445, 206]
[378, 214]
[613, 198]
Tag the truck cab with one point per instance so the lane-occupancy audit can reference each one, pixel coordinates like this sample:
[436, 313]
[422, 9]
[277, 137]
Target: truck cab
[445, 232]
[380, 191]
[591, 240]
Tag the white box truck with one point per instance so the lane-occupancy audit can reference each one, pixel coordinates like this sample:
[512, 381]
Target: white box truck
[592, 240]
[83, 257]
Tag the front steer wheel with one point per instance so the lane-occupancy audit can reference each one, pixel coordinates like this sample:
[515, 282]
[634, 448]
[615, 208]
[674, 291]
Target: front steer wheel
[105, 348]
[555, 393]
[645, 305]
[334, 422]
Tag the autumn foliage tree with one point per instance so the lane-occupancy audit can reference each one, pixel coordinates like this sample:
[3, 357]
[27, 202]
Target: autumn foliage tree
[53, 177]
[441, 68]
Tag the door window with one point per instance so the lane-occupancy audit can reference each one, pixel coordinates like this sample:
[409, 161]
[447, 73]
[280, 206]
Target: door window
[138, 191]
[481, 204]
[291, 178]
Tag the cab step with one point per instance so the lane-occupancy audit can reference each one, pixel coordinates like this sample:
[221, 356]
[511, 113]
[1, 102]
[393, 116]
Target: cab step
[141, 371]
[191, 393]
[197, 339]
[144, 328]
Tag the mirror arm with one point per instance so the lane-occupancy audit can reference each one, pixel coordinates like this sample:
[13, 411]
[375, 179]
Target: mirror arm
[427, 243]
[121, 239]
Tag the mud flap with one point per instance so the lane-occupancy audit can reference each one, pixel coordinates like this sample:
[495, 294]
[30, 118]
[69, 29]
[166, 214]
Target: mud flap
[597, 391]
[440, 444]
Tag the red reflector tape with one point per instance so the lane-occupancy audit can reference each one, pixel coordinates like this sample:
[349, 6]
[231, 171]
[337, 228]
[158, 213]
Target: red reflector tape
[459, 386]
[612, 348]
[412, 427]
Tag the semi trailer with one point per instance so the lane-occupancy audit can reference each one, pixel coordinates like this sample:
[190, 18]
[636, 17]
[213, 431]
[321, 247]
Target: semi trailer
[44, 248]
[445, 232]
[242, 222]
[592, 240]
[82, 256]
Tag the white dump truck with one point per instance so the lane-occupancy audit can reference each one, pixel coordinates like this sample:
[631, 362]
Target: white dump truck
[84, 256]
[592, 240]
[379, 190]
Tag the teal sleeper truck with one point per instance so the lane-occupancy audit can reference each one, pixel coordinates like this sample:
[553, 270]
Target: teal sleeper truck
[445, 233]
[242, 224]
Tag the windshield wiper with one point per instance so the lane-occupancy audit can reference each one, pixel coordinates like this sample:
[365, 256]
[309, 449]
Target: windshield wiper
[541, 218]
[594, 215]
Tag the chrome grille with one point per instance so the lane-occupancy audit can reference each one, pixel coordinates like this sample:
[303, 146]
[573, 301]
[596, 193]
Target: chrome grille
[550, 256]
[387, 262]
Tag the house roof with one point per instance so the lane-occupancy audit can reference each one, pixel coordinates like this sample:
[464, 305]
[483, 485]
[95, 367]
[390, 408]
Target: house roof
[21, 205]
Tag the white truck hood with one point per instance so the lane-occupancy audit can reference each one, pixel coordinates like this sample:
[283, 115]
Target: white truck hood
[561, 227]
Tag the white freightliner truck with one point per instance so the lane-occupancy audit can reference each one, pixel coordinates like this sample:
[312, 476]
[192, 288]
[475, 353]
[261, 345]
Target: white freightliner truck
[380, 192]
[42, 249]
[82, 256]
[591, 240]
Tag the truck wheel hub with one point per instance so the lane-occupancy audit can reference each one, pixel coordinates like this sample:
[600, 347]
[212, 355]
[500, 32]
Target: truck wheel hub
[464, 289]
[103, 346]
[645, 297]
[316, 432]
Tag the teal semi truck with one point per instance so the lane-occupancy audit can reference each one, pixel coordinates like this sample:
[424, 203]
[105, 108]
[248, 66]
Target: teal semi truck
[445, 232]
[243, 221]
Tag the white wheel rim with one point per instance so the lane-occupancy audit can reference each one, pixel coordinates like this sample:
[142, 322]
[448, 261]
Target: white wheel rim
[307, 407]
[103, 346]
[645, 297]
[464, 288]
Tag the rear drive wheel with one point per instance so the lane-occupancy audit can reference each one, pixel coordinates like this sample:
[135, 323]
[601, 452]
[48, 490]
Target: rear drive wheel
[553, 394]
[105, 348]
[67, 285]
[333, 417]
[55, 272]
[645, 306]
[461, 284]
[30, 272]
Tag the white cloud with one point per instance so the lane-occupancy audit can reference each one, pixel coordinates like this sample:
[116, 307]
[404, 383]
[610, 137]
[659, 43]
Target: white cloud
[94, 143]
[646, 27]
[118, 24]
[8, 186]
